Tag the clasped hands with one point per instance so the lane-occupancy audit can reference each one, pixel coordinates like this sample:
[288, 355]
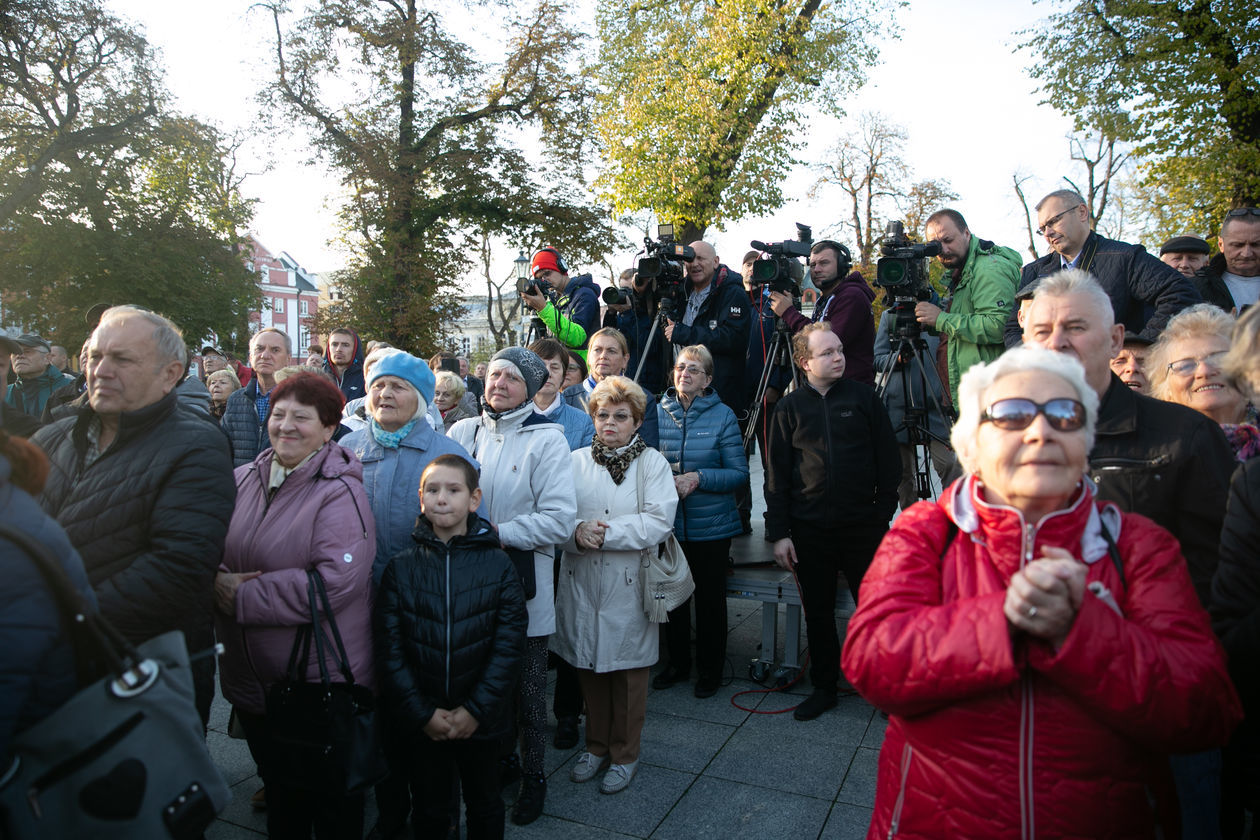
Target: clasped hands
[451, 725]
[686, 484]
[590, 534]
[1044, 597]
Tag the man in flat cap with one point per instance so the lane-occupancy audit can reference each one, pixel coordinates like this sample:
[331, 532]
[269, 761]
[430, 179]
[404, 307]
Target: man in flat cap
[1187, 254]
[36, 377]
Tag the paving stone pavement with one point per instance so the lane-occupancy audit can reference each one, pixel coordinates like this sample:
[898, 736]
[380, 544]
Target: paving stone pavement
[708, 769]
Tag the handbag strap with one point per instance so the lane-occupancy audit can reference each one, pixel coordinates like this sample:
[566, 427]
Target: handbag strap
[315, 579]
[91, 635]
[645, 559]
[317, 630]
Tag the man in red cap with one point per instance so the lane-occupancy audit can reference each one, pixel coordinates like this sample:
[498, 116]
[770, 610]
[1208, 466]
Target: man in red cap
[571, 309]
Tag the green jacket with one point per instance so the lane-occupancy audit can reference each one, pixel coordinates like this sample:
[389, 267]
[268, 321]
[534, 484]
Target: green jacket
[982, 301]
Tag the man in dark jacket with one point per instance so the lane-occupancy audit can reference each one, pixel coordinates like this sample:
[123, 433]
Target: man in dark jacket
[1231, 280]
[345, 362]
[715, 314]
[571, 313]
[144, 493]
[831, 489]
[1187, 254]
[245, 417]
[1144, 292]
[634, 320]
[1162, 460]
[845, 305]
[36, 377]
[16, 423]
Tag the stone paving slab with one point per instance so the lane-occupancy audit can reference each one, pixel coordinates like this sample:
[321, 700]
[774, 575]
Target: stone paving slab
[727, 810]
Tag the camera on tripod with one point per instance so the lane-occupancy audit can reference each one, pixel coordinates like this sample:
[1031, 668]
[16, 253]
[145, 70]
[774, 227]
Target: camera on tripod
[902, 272]
[778, 270]
[660, 274]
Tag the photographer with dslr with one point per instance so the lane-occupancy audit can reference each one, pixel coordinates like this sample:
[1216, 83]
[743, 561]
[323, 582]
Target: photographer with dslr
[568, 306]
[716, 316]
[845, 305]
[982, 281]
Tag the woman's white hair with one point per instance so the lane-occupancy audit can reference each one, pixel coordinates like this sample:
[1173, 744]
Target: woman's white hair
[1199, 321]
[978, 379]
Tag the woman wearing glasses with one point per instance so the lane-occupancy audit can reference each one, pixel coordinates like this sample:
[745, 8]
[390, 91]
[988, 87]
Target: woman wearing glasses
[1185, 367]
[700, 439]
[1038, 651]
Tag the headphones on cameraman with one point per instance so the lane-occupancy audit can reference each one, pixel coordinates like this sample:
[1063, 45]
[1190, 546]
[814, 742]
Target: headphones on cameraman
[564, 269]
[844, 261]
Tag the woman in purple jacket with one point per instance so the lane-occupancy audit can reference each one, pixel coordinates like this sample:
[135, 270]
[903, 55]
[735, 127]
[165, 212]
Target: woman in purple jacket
[300, 505]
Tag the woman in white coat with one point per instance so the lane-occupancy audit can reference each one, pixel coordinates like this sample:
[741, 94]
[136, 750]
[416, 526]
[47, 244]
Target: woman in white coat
[527, 494]
[602, 628]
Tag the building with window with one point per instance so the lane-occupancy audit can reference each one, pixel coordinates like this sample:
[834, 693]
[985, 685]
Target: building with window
[290, 296]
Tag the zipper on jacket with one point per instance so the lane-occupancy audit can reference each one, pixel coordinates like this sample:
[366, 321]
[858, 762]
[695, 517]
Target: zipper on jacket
[827, 442]
[682, 457]
[448, 622]
[907, 753]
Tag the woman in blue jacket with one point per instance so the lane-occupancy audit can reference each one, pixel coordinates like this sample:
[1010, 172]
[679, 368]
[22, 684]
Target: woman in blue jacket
[700, 438]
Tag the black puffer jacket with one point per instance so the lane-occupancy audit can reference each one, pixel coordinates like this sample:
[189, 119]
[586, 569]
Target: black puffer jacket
[1236, 586]
[1144, 292]
[148, 518]
[1169, 463]
[1211, 284]
[450, 630]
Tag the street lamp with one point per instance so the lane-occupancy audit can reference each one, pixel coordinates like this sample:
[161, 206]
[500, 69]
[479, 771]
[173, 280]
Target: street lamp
[522, 268]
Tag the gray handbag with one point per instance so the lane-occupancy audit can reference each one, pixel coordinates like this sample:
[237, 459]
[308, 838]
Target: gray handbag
[665, 581]
[126, 756]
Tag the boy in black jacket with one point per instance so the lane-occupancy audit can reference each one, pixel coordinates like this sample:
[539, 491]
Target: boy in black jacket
[831, 487]
[450, 634]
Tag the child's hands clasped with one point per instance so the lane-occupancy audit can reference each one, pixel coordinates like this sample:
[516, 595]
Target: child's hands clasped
[451, 725]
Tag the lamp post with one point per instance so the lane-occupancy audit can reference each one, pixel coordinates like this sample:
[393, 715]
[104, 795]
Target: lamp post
[521, 263]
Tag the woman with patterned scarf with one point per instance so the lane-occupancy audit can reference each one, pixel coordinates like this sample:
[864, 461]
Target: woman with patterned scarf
[626, 503]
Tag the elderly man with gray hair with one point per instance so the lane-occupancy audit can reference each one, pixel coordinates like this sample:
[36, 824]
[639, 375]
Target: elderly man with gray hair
[143, 492]
[1165, 461]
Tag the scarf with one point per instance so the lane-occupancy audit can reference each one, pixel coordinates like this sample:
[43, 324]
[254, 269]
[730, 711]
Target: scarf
[616, 461]
[390, 440]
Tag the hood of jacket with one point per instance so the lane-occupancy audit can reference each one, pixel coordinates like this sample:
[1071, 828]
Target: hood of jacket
[854, 280]
[577, 283]
[479, 535]
[356, 361]
[523, 417]
[331, 461]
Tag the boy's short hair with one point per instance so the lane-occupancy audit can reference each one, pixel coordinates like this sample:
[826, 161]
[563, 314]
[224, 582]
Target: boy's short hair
[455, 462]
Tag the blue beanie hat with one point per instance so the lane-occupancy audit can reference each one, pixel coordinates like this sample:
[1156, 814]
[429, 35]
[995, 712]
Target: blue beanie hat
[409, 369]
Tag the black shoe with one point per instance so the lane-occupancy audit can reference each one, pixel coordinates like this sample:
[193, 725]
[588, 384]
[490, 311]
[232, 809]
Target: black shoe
[670, 676]
[566, 733]
[707, 687]
[815, 704]
[529, 804]
[509, 770]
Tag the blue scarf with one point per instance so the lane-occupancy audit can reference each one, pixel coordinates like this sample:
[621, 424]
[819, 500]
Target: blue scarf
[390, 440]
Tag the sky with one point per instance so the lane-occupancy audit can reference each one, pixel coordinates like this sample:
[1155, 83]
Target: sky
[952, 80]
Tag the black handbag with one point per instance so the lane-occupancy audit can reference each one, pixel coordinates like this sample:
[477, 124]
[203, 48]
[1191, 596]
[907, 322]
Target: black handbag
[523, 560]
[322, 736]
[126, 756]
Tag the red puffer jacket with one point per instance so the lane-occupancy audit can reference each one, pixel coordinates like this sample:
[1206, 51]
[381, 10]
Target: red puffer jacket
[990, 737]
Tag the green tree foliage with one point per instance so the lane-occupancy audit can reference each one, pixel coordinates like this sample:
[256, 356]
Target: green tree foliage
[110, 196]
[702, 102]
[1180, 80]
[420, 139]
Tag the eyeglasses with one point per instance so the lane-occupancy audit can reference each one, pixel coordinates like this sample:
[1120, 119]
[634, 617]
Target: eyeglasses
[694, 370]
[1053, 221]
[1238, 212]
[1016, 414]
[617, 417]
[1187, 366]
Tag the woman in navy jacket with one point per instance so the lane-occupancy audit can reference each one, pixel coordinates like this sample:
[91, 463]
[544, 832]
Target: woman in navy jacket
[700, 438]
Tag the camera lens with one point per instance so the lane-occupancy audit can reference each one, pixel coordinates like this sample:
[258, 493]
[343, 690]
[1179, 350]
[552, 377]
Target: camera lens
[614, 295]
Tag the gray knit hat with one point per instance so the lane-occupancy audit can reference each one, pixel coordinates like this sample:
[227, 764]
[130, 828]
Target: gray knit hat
[532, 369]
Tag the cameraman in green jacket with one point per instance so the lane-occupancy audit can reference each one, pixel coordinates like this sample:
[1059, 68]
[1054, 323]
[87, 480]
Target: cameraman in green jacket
[982, 281]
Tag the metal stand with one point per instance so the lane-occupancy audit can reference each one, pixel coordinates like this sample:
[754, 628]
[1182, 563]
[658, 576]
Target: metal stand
[779, 354]
[918, 433]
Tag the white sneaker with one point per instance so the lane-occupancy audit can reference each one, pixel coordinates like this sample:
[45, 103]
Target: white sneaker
[618, 777]
[588, 767]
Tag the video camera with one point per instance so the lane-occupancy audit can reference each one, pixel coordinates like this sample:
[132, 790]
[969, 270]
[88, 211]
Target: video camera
[902, 271]
[778, 270]
[660, 273]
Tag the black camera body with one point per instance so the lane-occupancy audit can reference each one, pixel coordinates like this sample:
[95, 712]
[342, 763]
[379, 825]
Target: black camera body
[531, 286]
[617, 295]
[778, 270]
[902, 269]
[660, 273]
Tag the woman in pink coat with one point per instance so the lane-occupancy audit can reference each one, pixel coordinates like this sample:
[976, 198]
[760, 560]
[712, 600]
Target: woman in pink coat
[1039, 653]
[300, 505]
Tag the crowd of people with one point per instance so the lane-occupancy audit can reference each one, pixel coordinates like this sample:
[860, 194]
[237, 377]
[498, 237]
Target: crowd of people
[1087, 566]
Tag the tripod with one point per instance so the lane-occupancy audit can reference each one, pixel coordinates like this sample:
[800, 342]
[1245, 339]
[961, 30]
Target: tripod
[536, 330]
[664, 310]
[779, 354]
[910, 345]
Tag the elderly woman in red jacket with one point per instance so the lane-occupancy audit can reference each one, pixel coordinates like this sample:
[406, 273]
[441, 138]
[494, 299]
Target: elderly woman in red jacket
[1039, 652]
